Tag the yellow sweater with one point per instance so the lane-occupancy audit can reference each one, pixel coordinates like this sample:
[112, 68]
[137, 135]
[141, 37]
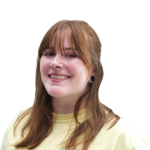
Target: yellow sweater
[119, 137]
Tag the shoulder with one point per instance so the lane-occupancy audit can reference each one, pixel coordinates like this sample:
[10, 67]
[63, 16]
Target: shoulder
[128, 134]
[14, 120]
[23, 110]
[124, 133]
[9, 130]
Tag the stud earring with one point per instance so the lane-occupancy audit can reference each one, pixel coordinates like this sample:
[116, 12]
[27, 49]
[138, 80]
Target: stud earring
[92, 78]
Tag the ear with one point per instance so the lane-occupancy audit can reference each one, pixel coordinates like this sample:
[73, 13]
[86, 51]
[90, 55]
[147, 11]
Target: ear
[94, 70]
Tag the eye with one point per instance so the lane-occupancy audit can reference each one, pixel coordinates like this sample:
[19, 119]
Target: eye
[47, 53]
[72, 55]
[50, 54]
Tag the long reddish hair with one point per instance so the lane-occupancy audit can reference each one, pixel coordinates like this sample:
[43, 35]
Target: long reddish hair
[40, 118]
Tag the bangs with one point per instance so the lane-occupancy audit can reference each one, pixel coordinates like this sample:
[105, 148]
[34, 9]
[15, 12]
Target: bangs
[78, 43]
[58, 39]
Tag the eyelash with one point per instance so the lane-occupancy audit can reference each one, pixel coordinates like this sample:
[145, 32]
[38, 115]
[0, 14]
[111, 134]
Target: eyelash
[51, 53]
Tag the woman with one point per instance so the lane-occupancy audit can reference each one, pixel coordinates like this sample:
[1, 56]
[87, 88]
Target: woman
[67, 113]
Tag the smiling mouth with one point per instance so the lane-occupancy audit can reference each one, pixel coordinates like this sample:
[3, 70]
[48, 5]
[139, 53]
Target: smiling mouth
[58, 77]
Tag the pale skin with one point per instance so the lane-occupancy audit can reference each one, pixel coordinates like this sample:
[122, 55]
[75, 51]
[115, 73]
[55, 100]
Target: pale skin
[64, 94]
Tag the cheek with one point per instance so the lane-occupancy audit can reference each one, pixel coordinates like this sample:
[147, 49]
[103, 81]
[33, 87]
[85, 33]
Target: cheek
[74, 67]
[44, 65]
[78, 68]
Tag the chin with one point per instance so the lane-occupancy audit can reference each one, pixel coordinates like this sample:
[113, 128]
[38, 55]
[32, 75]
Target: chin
[55, 94]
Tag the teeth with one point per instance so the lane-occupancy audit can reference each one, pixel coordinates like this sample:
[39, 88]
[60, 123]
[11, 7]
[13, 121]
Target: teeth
[58, 77]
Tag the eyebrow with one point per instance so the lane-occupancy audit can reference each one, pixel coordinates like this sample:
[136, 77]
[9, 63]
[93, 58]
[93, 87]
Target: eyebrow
[67, 48]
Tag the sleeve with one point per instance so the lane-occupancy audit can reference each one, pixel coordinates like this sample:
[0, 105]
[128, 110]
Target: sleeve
[8, 136]
[138, 142]
[130, 138]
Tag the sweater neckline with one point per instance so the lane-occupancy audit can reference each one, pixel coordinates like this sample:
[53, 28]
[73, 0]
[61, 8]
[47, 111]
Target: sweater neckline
[68, 117]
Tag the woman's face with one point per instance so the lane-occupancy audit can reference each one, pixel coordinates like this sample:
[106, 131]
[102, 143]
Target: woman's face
[67, 65]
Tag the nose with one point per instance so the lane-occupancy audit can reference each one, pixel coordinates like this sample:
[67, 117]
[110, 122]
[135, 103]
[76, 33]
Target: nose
[57, 61]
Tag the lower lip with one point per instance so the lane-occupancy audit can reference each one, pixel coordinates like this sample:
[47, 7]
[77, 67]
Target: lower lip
[58, 80]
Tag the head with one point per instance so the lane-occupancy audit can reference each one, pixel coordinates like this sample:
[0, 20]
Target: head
[73, 48]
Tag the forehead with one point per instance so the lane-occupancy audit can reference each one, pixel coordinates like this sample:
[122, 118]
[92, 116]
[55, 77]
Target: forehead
[63, 40]
[66, 42]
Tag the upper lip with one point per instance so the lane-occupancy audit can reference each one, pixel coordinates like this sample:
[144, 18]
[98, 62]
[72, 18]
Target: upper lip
[57, 74]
